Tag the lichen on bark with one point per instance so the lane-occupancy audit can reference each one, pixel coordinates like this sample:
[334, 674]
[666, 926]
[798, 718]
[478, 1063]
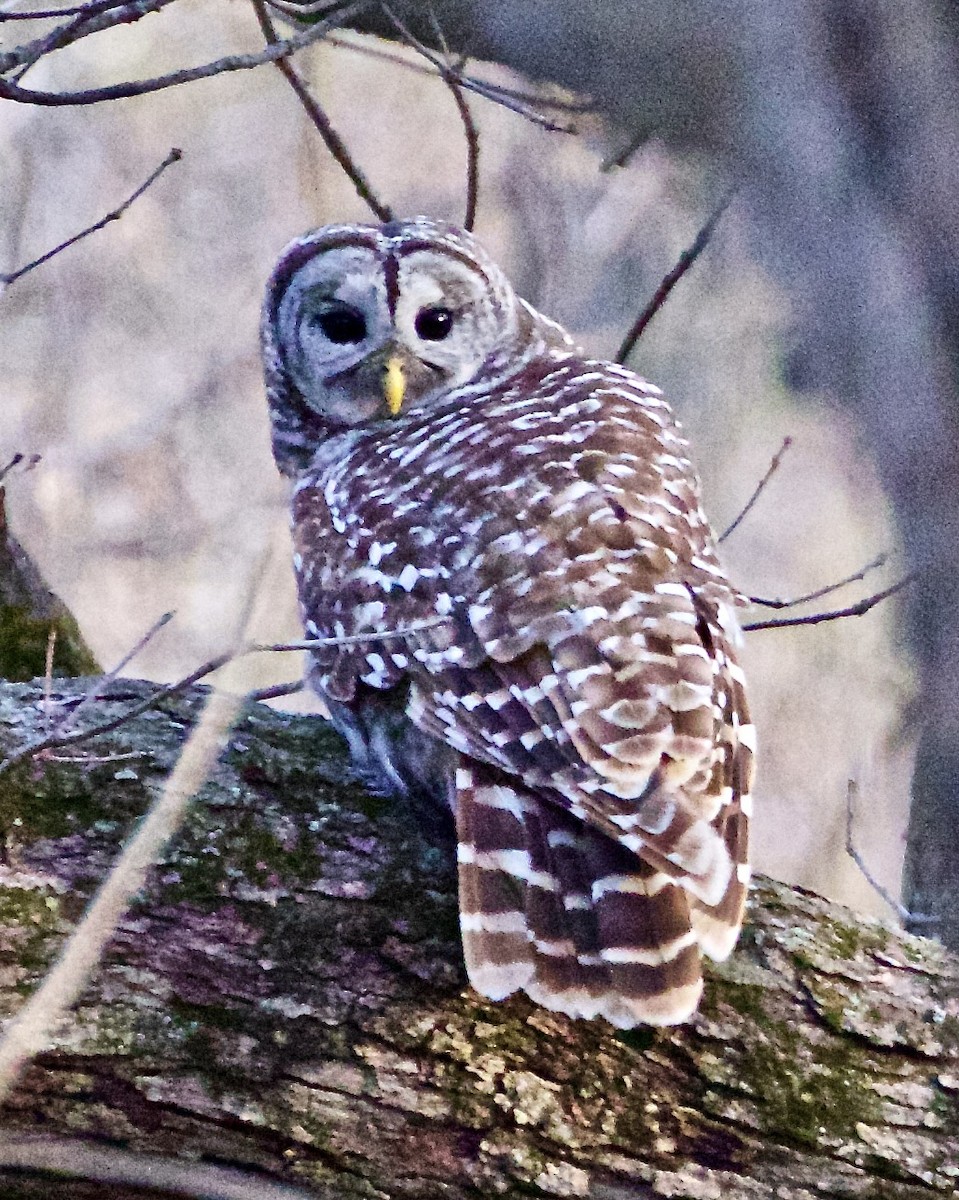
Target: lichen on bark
[288, 995]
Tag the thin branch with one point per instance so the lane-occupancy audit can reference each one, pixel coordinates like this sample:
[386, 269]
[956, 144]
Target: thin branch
[58, 739]
[220, 66]
[854, 610]
[496, 93]
[875, 564]
[350, 639]
[497, 96]
[48, 669]
[6, 279]
[334, 143]
[95, 759]
[620, 158]
[15, 461]
[55, 740]
[903, 913]
[452, 77]
[276, 691]
[98, 16]
[44, 14]
[573, 107]
[95, 692]
[760, 488]
[686, 260]
[297, 11]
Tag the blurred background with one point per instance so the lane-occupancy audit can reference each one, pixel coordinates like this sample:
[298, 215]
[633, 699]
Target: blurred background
[130, 364]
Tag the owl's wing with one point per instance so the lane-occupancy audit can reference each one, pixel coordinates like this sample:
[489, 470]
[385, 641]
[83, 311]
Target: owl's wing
[597, 662]
[606, 758]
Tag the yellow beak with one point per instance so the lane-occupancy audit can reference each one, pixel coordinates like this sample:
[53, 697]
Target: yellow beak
[394, 384]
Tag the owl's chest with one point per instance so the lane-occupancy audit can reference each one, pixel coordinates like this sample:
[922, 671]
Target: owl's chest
[378, 554]
[398, 520]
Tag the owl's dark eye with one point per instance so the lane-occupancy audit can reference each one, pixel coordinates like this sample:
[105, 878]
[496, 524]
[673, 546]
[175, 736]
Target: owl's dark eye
[340, 324]
[433, 324]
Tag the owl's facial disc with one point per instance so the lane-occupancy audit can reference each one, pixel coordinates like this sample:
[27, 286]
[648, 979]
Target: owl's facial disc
[447, 316]
[332, 317]
[366, 338]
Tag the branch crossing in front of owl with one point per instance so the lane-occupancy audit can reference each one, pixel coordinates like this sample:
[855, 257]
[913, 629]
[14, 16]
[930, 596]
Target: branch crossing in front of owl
[569, 698]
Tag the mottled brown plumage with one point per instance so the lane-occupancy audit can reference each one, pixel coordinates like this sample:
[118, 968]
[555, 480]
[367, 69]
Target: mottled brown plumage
[569, 691]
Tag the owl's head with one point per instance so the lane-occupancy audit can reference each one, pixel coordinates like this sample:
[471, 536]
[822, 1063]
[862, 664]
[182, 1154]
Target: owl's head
[363, 323]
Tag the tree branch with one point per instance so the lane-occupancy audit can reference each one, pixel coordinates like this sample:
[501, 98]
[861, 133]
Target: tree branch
[686, 260]
[854, 610]
[97, 17]
[6, 279]
[452, 77]
[334, 143]
[43, 14]
[759, 489]
[288, 992]
[903, 913]
[872, 565]
[220, 66]
[519, 102]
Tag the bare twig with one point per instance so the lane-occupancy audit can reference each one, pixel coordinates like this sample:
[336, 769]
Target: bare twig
[619, 158]
[15, 461]
[276, 691]
[854, 610]
[759, 489]
[59, 739]
[44, 14]
[447, 73]
[55, 740]
[453, 78]
[141, 87]
[334, 143]
[298, 11]
[48, 669]
[873, 565]
[95, 759]
[350, 639]
[6, 279]
[496, 93]
[686, 260]
[95, 692]
[903, 913]
[94, 18]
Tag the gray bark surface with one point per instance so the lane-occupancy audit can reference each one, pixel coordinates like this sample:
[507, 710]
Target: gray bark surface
[288, 997]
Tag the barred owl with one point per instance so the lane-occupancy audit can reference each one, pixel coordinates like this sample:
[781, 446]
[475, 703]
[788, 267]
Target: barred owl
[566, 695]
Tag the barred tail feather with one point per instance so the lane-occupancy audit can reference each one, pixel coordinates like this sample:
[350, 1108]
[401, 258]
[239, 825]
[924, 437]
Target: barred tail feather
[554, 908]
[717, 926]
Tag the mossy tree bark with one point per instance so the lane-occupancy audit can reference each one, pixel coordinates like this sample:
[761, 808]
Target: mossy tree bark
[288, 996]
[28, 611]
